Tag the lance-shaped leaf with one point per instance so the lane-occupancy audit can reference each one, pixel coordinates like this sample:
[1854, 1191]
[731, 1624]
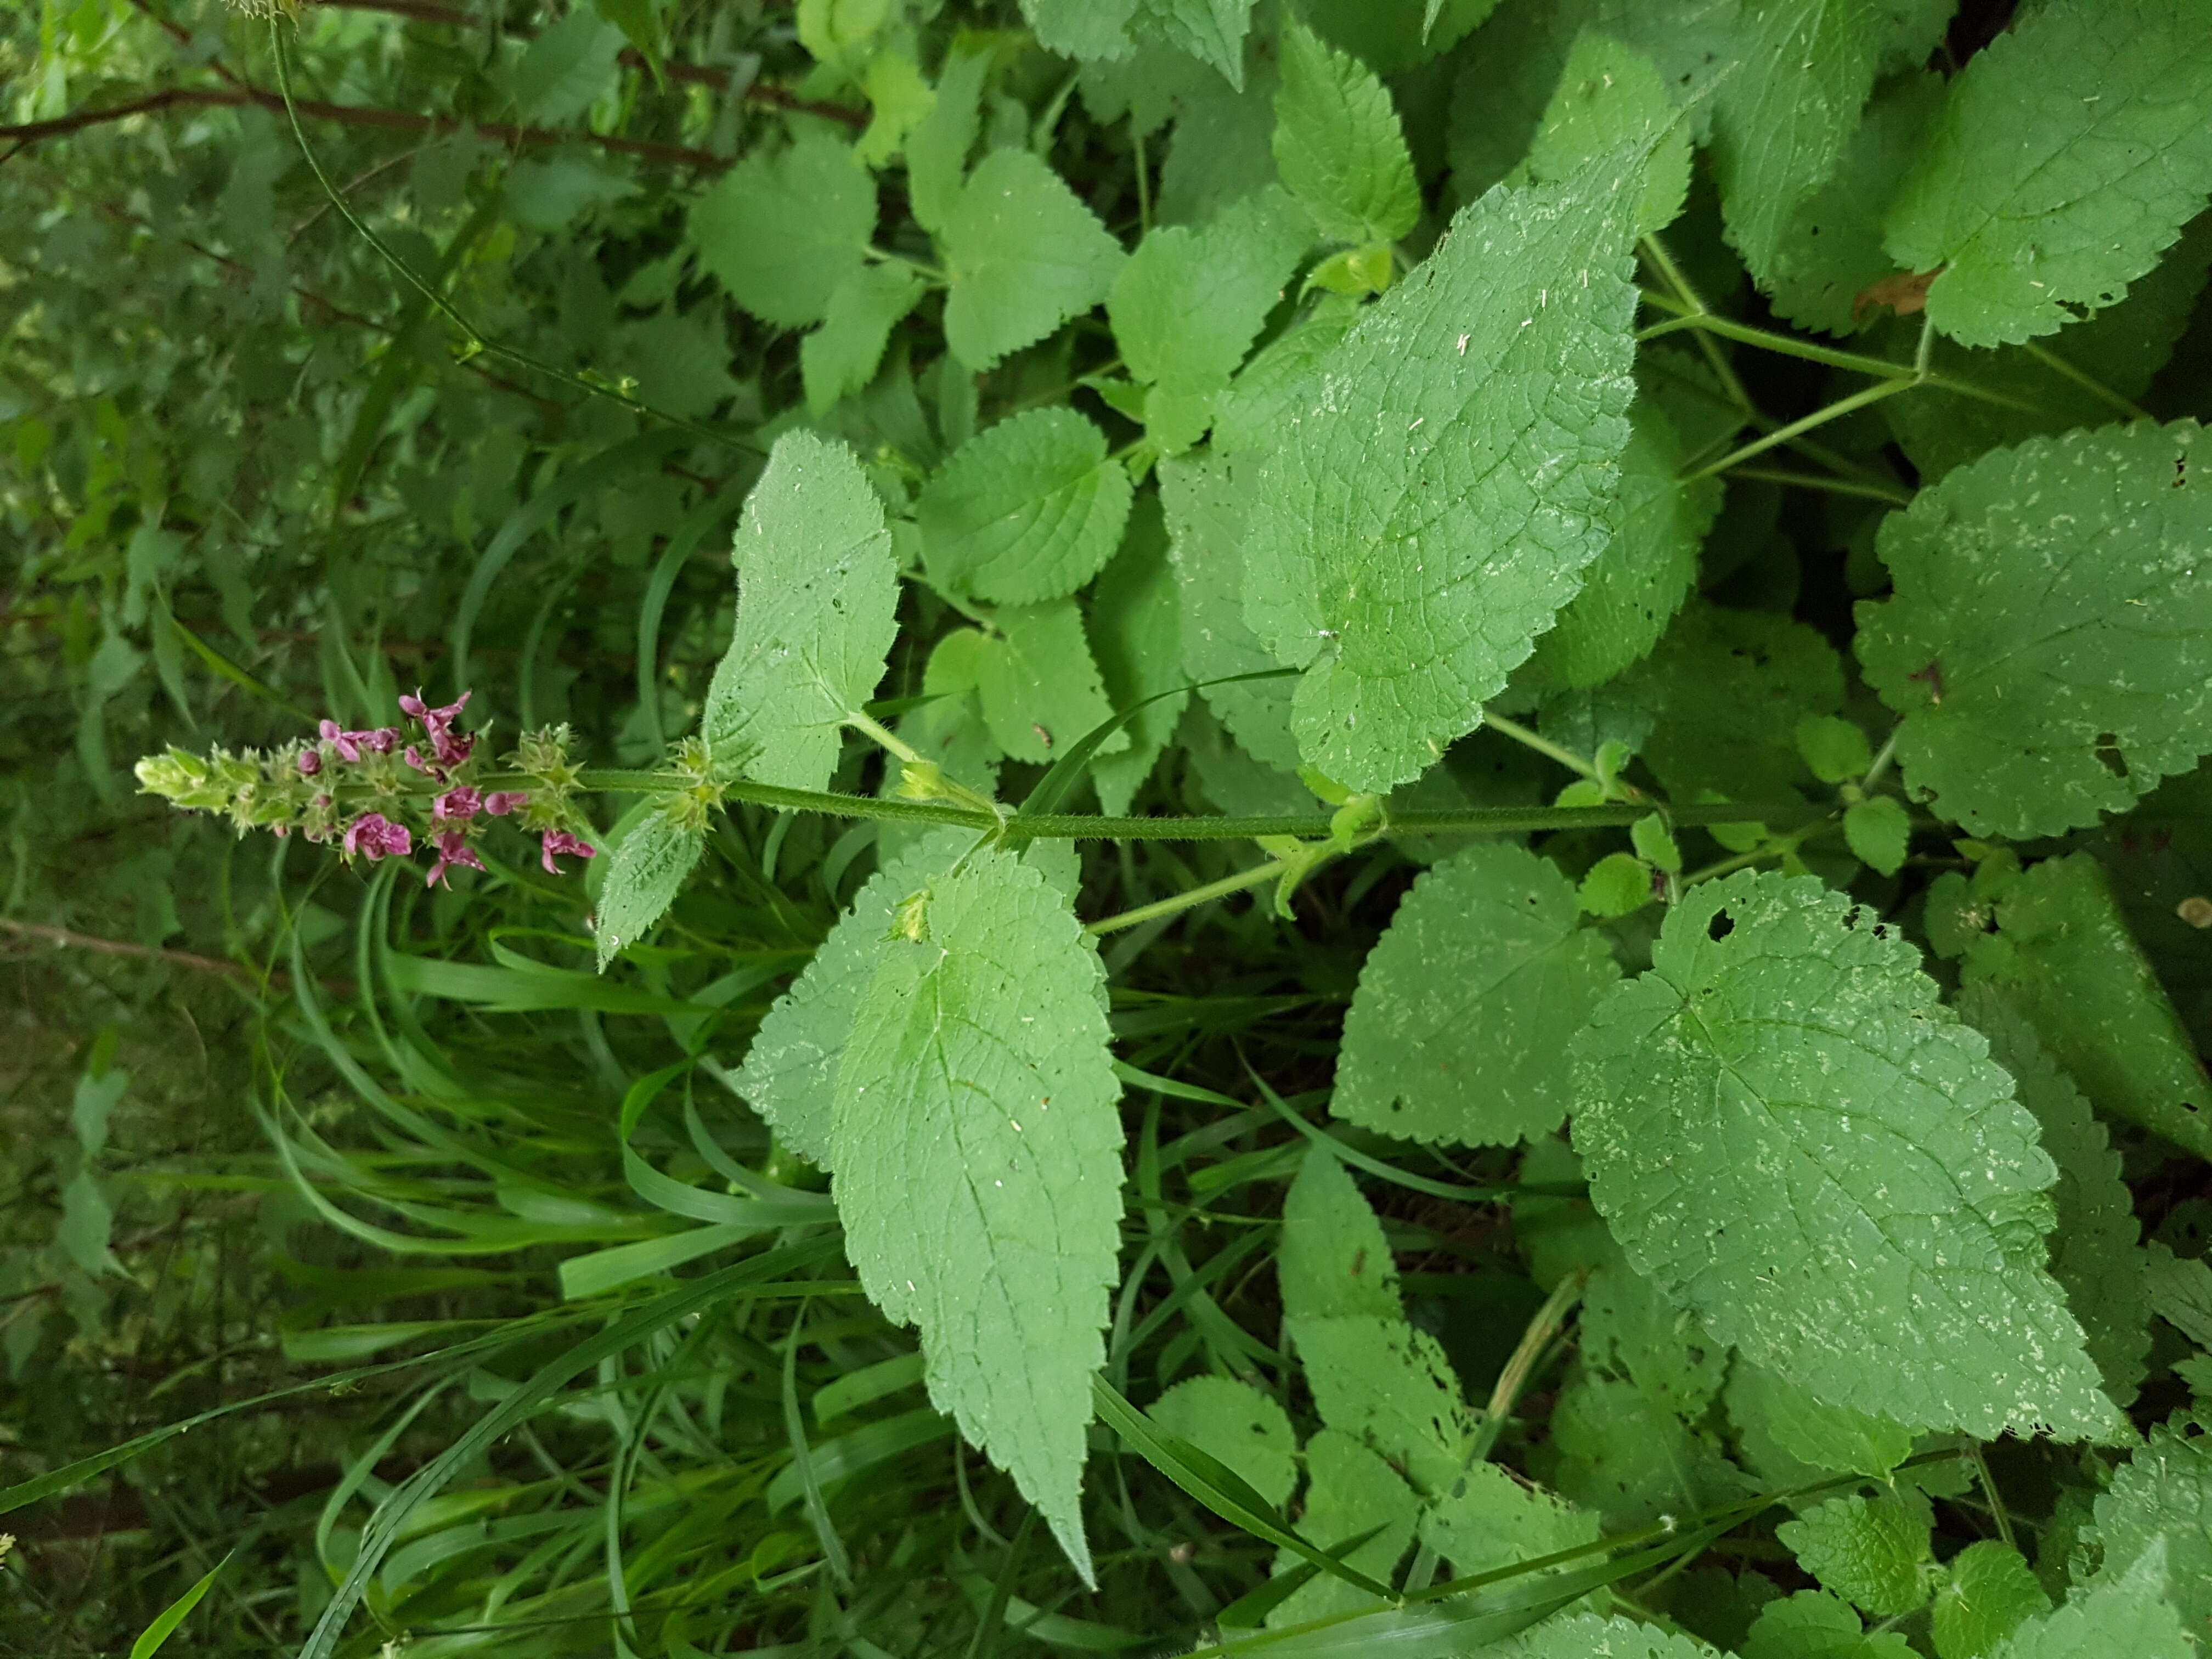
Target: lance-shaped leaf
[790, 1073]
[2070, 150]
[1437, 488]
[649, 870]
[1783, 117]
[979, 1176]
[1466, 1006]
[1793, 1137]
[818, 595]
[1338, 143]
[2050, 640]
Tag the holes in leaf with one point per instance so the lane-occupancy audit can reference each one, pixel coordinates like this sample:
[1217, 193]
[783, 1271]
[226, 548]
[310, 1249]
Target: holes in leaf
[2180, 470]
[2108, 753]
[1720, 926]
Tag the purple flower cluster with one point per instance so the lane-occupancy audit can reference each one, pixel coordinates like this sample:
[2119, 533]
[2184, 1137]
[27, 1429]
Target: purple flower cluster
[310, 785]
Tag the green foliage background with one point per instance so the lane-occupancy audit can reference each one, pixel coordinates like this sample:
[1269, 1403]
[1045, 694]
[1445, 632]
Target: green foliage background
[267, 1117]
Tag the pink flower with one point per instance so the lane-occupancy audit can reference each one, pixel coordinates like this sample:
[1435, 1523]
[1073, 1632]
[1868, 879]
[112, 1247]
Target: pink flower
[311, 762]
[453, 848]
[371, 836]
[560, 841]
[350, 743]
[501, 802]
[413, 756]
[457, 805]
[438, 723]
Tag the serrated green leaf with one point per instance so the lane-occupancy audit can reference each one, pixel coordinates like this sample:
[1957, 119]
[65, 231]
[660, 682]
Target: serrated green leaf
[1390, 38]
[1349, 1491]
[1631, 1333]
[1205, 549]
[1334, 1263]
[1879, 832]
[1488, 1518]
[1790, 1135]
[567, 68]
[2078, 378]
[977, 1149]
[1617, 885]
[1814, 1625]
[1836, 749]
[1338, 144]
[2023, 664]
[1039, 686]
[1389, 1384]
[937, 149]
[1189, 303]
[1586, 1636]
[818, 595]
[782, 232]
[1871, 1551]
[86, 1224]
[2094, 1254]
[2179, 1292]
[1081, 28]
[1610, 96]
[1632, 591]
[2161, 1499]
[1792, 1439]
[1830, 252]
[1211, 31]
[1433, 498]
[1629, 1459]
[1136, 633]
[2132, 1613]
[840, 357]
[1026, 511]
[1250, 417]
[790, 1072]
[648, 869]
[1023, 255]
[1782, 119]
[1728, 688]
[2061, 954]
[2069, 151]
[1460, 1025]
[1236, 1423]
[1986, 1594]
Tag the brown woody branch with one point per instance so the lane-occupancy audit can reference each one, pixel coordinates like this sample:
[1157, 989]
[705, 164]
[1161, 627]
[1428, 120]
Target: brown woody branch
[356, 115]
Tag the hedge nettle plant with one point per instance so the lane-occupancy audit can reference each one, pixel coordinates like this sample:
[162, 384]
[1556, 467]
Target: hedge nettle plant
[1408, 495]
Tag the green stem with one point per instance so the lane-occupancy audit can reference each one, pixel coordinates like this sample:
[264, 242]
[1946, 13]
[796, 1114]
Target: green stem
[890, 256]
[868, 728]
[1081, 826]
[1759, 854]
[1997, 1510]
[1694, 304]
[2096, 388]
[1784, 344]
[1873, 492]
[1256, 876]
[1837, 410]
[1887, 753]
[1542, 745]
